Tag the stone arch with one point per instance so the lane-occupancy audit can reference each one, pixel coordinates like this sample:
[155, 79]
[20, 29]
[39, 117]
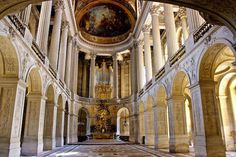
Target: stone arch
[34, 80]
[141, 123]
[205, 65]
[123, 125]
[149, 121]
[215, 63]
[9, 61]
[33, 114]
[83, 124]
[227, 107]
[180, 114]
[49, 133]
[60, 122]
[162, 118]
[12, 97]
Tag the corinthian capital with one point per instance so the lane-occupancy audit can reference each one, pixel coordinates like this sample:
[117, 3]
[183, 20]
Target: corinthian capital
[155, 10]
[146, 28]
[65, 25]
[138, 43]
[182, 12]
[59, 4]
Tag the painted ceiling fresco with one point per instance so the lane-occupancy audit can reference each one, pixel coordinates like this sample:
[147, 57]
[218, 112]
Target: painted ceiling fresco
[105, 20]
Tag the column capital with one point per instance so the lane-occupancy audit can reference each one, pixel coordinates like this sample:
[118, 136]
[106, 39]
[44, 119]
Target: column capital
[64, 25]
[146, 28]
[93, 56]
[114, 57]
[59, 4]
[70, 38]
[155, 10]
[138, 43]
[182, 12]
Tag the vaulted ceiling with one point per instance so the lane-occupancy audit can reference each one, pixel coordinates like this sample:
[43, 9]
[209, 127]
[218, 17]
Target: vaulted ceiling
[105, 21]
[214, 11]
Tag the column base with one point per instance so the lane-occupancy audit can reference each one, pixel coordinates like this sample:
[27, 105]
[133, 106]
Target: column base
[59, 141]
[149, 140]
[179, 144]
[73, 139]
[49, 143]
[214, 147]
[200, 146]
[230, 143]
[9, 150]
[162, 142]
[31, 147]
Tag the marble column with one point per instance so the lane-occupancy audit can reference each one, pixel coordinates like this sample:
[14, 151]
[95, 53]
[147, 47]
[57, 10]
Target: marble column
[88, 131]
[171, 124]
[34, 125]
[158, 57]
[66, 131]
[63, 50]
[11, 109]
[69, 60]
[75, 63]
[183, 17]
[133, 71]
[71, 127]
[44, 24]
[118, 126]
[136, 127]
[73, 123]
[92, 76]
[160, 124]
[60, 127]
[171, 36]
[207, 135]
[140, 65]
[56, 33]
[180, 141]
[194, 20]
[25, 15]
[50, 120]
[224, 103]
[84, 79]
[149, 127]
[115, 76]
[147, 53]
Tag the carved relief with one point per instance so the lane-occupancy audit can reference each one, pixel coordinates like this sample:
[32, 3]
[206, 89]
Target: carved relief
[191, 67]
[18, 114]
[167, 84]
[6, 108]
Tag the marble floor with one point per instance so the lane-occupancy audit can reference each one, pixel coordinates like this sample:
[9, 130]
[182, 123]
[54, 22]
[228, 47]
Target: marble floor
[112, 148]
[108, 148]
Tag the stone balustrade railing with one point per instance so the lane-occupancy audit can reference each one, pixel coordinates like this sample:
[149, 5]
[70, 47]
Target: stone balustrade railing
[17, 23]
[177, 56]
[105, 101]
[38, 52]
[201, 31]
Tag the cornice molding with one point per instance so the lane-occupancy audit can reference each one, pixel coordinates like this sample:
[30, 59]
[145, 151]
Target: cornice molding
[110, 49]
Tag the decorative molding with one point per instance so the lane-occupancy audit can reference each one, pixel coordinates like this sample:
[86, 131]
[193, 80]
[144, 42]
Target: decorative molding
[155, 10]
[64, 25]
[182, 13]
[146, 28]
[59, 4]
